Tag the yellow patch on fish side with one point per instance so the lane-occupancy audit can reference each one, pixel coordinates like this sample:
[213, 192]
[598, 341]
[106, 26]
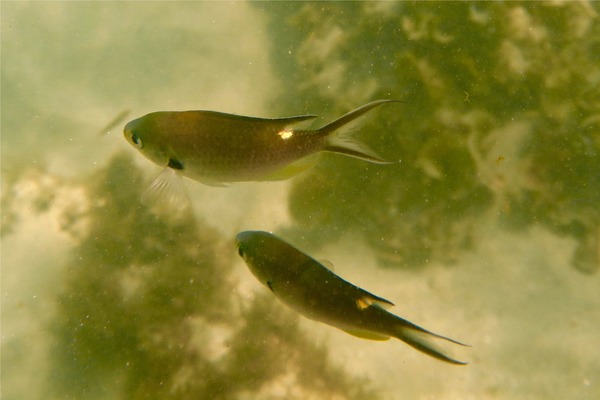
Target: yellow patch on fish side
[286, 133]
[362, 304]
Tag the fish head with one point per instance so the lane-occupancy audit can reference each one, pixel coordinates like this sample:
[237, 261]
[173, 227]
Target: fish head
[257, 249]
[144, 134]
[250, 245]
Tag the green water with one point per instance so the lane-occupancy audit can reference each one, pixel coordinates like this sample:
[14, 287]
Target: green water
[486, 229]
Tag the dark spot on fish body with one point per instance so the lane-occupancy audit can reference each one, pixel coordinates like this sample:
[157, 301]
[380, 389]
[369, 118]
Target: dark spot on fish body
[175, 164]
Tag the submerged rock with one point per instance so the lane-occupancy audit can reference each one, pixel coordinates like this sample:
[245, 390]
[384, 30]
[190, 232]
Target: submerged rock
[148, 311]
[501, 120]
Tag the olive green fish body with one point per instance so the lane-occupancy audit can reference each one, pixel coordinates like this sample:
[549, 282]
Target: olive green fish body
[316, 292]
[214, 147]
[333, 299]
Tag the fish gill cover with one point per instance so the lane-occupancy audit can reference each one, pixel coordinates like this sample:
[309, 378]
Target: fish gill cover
[501, 120]
[148, 310]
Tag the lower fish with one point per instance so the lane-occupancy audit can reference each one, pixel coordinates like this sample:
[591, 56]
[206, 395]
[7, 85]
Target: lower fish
[311, 289]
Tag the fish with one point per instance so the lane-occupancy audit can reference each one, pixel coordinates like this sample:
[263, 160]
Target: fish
[114, 122]
[314, 291]
[216, 148]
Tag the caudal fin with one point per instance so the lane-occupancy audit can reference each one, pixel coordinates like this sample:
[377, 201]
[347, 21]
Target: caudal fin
[425, 341]
[345, 143]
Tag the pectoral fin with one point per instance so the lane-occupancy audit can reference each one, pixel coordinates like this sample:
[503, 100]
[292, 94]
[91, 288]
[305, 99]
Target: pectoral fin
[166, 193]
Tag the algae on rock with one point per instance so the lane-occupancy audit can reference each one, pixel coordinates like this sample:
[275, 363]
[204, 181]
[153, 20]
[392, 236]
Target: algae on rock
[501, 118]
[148, 311]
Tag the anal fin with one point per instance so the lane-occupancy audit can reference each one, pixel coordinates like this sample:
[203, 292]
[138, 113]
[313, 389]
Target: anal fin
[292, 169]
[366, 334]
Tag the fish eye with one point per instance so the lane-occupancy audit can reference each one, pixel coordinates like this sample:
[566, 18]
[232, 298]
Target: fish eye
[136, 140]
[241, 251]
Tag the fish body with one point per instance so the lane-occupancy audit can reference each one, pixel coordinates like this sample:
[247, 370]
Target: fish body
[316, 292]
[215, 148]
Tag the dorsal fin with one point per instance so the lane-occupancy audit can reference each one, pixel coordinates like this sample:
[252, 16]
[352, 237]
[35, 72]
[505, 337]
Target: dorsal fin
[283, 122]
[369, 299]
[327, 264]
[296, 119]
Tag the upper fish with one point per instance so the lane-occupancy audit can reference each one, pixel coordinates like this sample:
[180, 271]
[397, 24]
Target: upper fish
[314, 291]
[216, 148]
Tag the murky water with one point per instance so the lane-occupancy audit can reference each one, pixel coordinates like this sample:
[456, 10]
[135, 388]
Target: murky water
[485, 230]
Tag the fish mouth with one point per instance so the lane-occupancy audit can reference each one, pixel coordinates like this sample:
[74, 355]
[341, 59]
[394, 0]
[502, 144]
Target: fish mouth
[244, 240]
[242, 237]
[246, 236]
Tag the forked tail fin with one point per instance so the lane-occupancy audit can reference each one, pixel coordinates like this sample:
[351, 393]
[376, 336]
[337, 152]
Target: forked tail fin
[344, 142]
[425, 341]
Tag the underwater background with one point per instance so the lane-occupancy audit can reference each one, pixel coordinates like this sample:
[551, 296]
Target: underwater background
[487, 229]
